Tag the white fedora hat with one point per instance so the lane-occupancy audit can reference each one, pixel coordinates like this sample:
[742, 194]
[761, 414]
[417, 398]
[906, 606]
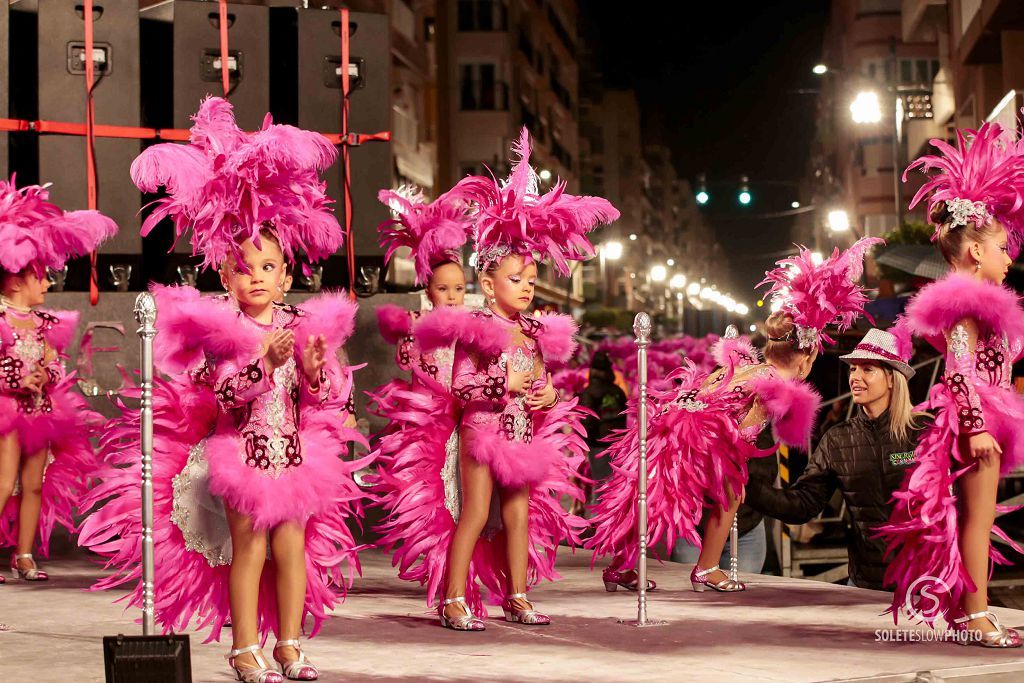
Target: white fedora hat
[879, 345]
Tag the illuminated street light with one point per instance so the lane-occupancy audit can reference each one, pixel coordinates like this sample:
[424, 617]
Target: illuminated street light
[838, 220]
[678, 281]
[659, 273]
[545, 174]
[693, 289]
[706, 293]
[820, 69]
[632, 237]
[742, 309]
[671, 262]
[795, 205]
[703, 197]
[753, 328]
[817, 258]
[612, 250]
[866, 107]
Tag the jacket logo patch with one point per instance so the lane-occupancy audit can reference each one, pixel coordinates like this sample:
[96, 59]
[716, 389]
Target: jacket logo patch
[902, 459]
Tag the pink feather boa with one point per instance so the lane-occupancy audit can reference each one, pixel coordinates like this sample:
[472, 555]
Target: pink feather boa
[394, 322]
[190, 325]
[332, 314]
[472, 329]
[555, 337]
[791, 406]
[939, 306]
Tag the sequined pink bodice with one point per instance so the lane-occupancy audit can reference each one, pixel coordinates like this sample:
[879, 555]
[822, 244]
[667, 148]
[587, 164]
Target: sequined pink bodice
[436, 364]
[990, 363]
[481, 383]
[262, 407]
[23, 350]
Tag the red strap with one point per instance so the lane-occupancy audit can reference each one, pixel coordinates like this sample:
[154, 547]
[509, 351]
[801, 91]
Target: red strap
[172, 134]
[346, 185]
[92, 190]
[225, 76]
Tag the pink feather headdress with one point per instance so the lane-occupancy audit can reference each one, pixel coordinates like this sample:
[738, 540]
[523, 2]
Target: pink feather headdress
[34, 232]
[981, 178]
[514, 218]
[434, 231]
[226, 185]
[822, 294]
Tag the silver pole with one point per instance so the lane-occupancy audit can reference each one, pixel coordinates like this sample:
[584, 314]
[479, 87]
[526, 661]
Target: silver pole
[642, 330]
[145, 315]
[734, 533]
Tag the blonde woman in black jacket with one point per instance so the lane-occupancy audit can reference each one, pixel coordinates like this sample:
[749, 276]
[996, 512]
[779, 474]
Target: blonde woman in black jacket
[864, 457]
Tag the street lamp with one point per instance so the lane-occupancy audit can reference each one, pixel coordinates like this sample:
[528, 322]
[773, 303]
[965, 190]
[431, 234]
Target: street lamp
[545, 174]
[609, 251]
[838, 220]
[632, 237]
[671, 262]
[612, 250]
[678, 281]
[817, 258]
[866, 107]
[742, 309]
[693, 289]
[820, 69]
[659, 273]
[795, 205]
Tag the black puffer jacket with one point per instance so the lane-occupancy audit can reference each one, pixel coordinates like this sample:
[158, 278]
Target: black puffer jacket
[861, 459]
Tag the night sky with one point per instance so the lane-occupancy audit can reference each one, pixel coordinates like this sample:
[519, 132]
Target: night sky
[716, 84]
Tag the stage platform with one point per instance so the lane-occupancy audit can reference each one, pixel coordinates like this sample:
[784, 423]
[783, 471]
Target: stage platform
[779, 630]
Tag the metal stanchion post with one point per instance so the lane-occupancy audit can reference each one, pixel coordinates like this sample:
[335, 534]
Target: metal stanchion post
[145, 315]
[642, 330]
[734, 551]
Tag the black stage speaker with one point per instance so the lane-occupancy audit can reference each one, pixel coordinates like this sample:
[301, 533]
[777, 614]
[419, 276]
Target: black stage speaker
[197, 60]
[62, 158]
[147, 659]
[5, 47]
[319, 108]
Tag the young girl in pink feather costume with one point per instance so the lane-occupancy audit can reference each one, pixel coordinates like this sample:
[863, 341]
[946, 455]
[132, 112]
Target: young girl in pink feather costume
[417, 452]
[703, 430]
[517, 441]
[944, 513]
[45, 425]
[249, 427]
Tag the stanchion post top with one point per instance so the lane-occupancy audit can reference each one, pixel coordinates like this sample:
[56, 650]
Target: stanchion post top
[145, 310]
[642, 328]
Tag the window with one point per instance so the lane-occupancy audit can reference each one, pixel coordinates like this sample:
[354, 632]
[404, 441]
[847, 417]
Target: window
[482, 15]
[480, 90]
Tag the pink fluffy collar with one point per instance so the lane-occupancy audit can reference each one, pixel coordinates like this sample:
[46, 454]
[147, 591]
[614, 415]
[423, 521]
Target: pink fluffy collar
[939, 306]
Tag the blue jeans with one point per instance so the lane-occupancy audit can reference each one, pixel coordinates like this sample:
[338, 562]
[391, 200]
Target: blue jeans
[753, 548]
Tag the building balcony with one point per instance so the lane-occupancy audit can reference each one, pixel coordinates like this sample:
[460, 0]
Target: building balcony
[921, 20]
[981, 23]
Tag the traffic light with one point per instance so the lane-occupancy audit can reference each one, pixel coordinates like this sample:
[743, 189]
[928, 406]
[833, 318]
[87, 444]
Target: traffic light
[744, 197]
[702, 195]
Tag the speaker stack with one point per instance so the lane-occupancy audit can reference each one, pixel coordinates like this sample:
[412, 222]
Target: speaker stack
[61, 88]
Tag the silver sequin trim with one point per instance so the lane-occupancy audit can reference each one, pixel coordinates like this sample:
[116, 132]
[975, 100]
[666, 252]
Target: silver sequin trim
[199, 515]
[521, 361]
[277, 445]
[521, 420]
[445, 359]
[693, 406]
[30, 350]
[450, 477]
[958, 341]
